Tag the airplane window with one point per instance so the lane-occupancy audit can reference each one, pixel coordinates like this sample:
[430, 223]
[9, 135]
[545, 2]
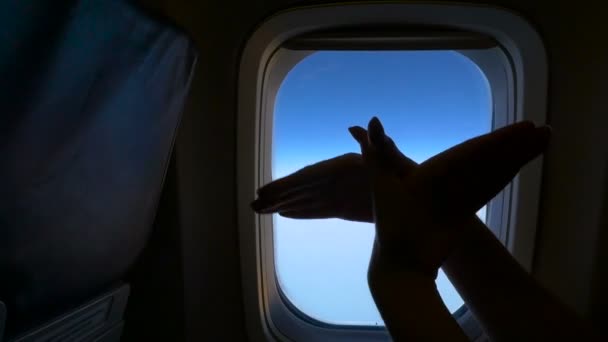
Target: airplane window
[306, 75]
[427, 100]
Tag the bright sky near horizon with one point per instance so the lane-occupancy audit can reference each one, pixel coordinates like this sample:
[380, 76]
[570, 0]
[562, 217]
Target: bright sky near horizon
[427, 101]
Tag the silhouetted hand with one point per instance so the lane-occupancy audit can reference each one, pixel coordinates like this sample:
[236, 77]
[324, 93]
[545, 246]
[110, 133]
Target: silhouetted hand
[333, 188]
[447, 189]
[417, 213]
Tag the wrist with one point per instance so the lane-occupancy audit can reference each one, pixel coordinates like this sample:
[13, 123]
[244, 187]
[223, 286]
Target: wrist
[386, 284]
[386, 268]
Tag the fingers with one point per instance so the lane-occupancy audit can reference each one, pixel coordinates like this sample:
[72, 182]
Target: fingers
[382, 158]
[312, 211]
[358, 133]
[376, 133]
[304, 177]
[287, 193]
[459, 180]
[293, 201]
[382, 171]
[314, 183]
[312, 175]
[367, 150]
[465, 177]
[328, 210]
[306, 214]
[389, 153]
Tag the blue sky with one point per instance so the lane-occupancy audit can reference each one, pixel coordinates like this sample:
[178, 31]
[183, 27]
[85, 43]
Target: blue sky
[427, 101]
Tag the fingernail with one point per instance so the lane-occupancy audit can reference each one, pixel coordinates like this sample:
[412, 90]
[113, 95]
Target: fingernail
[353, 132]
[376, 131]
[375, 124]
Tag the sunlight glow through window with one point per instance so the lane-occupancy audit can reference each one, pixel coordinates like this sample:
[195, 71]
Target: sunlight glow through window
[428, 101]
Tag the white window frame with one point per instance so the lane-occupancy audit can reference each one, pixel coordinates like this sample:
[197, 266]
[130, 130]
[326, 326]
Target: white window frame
[269, 315]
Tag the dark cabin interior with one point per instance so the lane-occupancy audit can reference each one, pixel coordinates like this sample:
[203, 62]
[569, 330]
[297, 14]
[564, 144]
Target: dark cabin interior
[118, 141]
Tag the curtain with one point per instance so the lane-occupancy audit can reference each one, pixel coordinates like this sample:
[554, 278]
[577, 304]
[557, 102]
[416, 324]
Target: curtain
[91, 97]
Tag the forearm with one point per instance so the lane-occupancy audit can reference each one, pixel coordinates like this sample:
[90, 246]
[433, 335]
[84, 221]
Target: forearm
[508, 302]
[410, 305]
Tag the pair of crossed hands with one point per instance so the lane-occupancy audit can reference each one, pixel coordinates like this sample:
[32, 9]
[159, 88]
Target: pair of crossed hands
[419, 210]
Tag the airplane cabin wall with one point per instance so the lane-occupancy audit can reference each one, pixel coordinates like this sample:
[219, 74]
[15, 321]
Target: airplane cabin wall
[574, 188]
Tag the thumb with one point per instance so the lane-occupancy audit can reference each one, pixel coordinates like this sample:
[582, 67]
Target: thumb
[368, 150]
[387, 152]
[382, 176]
[384, 159]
